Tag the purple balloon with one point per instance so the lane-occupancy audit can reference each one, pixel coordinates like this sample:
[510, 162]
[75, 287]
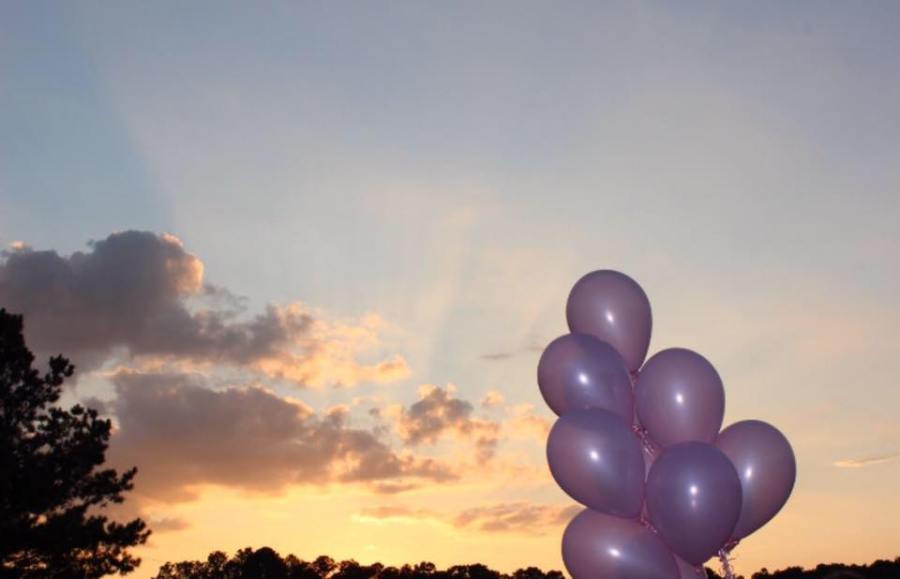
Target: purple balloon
[694, 499]
[689, 571]
[612, 307]
[596, 459]
[579, 371]
[599, 546]
[766, 466]
[679, 397]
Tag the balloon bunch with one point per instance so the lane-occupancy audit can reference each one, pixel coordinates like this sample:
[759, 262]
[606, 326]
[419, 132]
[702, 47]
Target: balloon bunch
[640, 446]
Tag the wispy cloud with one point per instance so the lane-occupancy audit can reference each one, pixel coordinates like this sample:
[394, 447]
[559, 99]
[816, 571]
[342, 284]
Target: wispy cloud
[492, 399]
[506, 355]
[168, 524]
[497, 356]
[525, 423]
[512, 517]
[517, 517]
[389, 514]
[867, 461]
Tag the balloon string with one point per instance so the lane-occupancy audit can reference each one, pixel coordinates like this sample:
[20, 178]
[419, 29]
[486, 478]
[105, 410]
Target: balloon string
[643, 520]
[725, 558]
[648, 444]
[726, 564]
[650, 448]
[639, 430]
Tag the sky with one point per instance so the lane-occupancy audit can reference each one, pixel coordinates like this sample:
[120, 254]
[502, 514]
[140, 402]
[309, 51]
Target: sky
[306, 255]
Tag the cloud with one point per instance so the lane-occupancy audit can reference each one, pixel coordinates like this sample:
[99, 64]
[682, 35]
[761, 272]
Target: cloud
[144, 294]
[512, 517]
[157, 516]
[439, 413]
[384, 514]
[506, 355]
[497, 356]
[493, 399]
[517, 517]
[525, 423]
[101, 406]
[867, 461]
[168, 524]
[182, 434]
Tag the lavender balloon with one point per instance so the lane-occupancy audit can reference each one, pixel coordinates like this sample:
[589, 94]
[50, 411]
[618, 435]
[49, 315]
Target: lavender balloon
[598, 546]
[679, 397]
[689, 571]
[693, 499]
[612, 307]
[579, 371]
[596, 459]
[767, 469]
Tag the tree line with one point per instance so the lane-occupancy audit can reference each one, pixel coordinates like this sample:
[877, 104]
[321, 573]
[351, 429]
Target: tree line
[266, 563]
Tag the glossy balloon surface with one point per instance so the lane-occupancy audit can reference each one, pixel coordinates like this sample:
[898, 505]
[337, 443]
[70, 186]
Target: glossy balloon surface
[612, 307]
[679, 397]
[693, 499]
[578, 371]
[766, 466]
[598, 546]
[596, 458]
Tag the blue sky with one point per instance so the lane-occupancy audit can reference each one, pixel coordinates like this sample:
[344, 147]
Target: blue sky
[456, 167]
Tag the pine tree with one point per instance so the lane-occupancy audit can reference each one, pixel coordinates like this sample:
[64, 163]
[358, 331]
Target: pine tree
[52, 484]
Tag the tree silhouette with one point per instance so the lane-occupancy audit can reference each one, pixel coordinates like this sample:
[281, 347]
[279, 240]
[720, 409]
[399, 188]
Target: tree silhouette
[265, 563]
[51, 487]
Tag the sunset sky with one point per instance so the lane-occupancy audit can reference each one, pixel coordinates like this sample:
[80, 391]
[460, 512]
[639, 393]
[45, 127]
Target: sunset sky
[306, 255]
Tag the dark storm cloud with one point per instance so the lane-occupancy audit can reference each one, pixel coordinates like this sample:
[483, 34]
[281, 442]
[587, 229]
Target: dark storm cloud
[437, 413]
[144, 294]
[181, 433]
